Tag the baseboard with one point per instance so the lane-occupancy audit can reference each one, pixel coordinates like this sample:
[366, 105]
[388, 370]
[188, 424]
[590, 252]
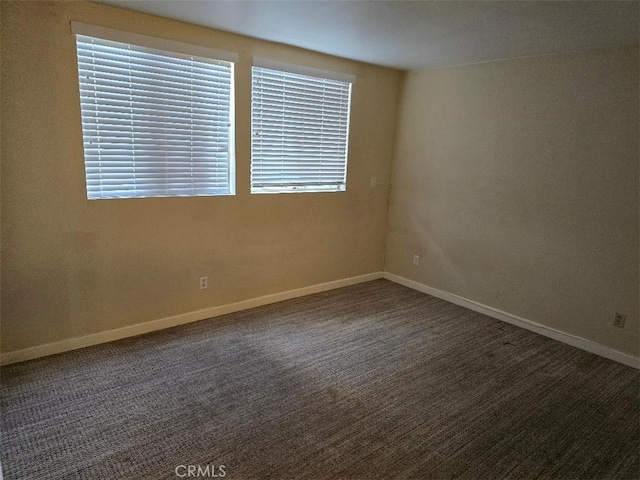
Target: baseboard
[564, 337]
[147, 327]
[154, 325]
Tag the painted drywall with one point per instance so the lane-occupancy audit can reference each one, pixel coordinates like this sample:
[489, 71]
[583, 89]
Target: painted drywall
[73, 267]
[517, 184]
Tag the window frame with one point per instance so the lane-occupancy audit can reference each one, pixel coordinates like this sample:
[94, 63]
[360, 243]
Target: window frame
[178, 50]
[310, 72]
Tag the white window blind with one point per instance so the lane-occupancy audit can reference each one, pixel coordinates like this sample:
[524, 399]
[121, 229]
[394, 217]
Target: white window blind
[300, 130]
[155, 123]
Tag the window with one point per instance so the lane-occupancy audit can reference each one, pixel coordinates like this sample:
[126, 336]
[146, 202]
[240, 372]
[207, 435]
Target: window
[156, 122]
[300, 129]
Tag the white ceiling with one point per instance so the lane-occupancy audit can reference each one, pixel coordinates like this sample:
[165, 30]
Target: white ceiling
[414, 34]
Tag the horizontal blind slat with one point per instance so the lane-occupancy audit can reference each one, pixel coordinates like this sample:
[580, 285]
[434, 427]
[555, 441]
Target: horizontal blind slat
[299, 132]
[155, 123]
[144, 60]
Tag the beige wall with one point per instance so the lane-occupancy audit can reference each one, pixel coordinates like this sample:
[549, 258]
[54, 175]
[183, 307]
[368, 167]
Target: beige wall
[72, 267]
[517, 184]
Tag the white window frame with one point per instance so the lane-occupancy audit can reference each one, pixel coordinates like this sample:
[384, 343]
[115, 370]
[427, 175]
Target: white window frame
[260, 187]
[178, 50]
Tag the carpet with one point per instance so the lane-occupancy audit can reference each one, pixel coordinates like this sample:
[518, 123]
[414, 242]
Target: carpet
[369, 381]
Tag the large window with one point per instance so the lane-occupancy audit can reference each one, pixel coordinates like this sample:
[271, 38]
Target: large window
[300, 130]
[155, 122]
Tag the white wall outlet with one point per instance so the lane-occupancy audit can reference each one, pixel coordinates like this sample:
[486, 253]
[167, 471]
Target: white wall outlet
[204, 282]
[619, 319]
[374, 181]
[416, 259]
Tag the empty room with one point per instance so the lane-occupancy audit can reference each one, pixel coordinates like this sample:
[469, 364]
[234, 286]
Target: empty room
[319, 239]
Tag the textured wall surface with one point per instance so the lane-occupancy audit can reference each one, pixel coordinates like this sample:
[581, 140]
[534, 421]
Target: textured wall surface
[72, 267]
[517, 184]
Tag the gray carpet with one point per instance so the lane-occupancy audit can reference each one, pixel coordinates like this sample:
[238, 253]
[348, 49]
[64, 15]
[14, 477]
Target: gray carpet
[370, 381]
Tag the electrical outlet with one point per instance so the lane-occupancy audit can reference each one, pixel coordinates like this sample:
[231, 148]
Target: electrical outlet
[619, 320]
[416, 259]
[374, 181]
[204, 283]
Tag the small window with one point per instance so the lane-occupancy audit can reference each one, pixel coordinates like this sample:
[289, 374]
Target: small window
[300, 130]
[155, 123]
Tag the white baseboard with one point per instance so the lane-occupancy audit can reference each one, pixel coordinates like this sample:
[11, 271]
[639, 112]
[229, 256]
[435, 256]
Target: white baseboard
[146, 327]
[563, 337]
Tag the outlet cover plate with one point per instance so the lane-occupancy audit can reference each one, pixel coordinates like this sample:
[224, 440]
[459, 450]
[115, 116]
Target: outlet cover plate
[619, 320]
